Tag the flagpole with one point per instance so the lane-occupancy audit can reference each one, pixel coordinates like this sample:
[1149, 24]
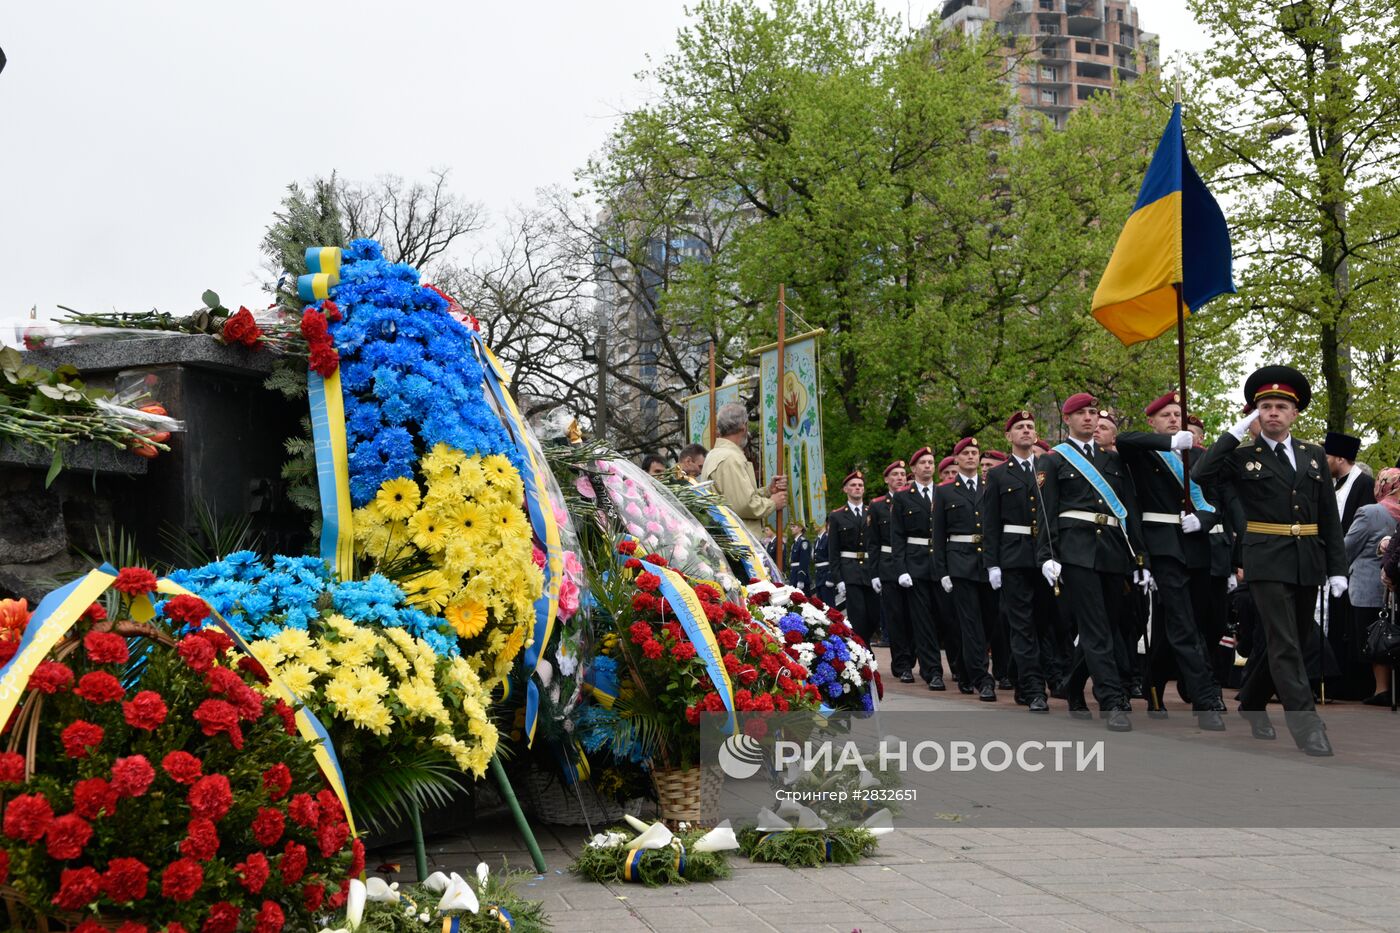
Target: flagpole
[712, 394]
[782, 413]
[1186, 505]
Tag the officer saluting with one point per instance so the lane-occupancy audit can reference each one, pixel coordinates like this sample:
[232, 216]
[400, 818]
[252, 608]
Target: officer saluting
[1092, 542]
[911, 536]
[1292, 543]
[959, 566]
[846, 551]
[883, 574]
[1012, 517]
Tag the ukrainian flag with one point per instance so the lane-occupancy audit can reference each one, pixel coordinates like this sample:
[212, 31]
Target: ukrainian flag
[1175, 235]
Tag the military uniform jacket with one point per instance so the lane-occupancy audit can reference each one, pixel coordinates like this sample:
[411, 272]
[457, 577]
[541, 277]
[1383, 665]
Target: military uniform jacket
[957, 512]
[821, 569]
[799, 572]
[911, 533]
[1099, 547]
[1158, 491]
[1224, 557]
[845, 545]
[879, 546]
[1011, 498]
[1267, 494]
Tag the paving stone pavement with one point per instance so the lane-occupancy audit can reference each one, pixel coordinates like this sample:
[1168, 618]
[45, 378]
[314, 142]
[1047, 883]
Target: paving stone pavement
[961, 877]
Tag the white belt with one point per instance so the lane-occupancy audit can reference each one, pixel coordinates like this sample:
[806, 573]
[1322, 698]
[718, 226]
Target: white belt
[964, 539]
[1016, 529]
[917, 540]
[1094, 518]
[1217, 529]
[886, 549]
[853, 555]
[1162, 518]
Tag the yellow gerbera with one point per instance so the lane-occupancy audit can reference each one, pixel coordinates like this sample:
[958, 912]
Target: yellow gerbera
[471, 476]
[508, 521]
[468, 617]
[398, 498]
[442, 461]
[514, 642]
[429, 531]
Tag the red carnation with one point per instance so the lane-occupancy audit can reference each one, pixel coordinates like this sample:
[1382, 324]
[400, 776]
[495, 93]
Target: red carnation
[706, 592]
[643, 602]
[834, 615]
[27, 817]
[331, 837]
[313, 325]
[277, 780]
[100, 687]
[11, 768]
[4, 866]
[78, 887]
[133, 581]
[248, 702]
[728, 639]
[648, 581]
[253, 872]
[269, 919]
[631, 563]
[222, 681]
[249, 665]
[92, 797]
[329, 806]
[201, 840]
[293, 862]
[683, 651]
[79, 737]
[627, 547]
[692, 715]
[240, 328]
[215, 716]
[217, 639]
[181, 879]
[131, 926]
[197, 653]
[105, 647]
[50, 677]
[125, 880]
[67, 836]
[797, 597]
[357, 858]
[268, 826]
[175, 927]
[303, 810]
[190, 610]
[653, 649]
[656, 559]
[146, 710]
[747, 675]
[94, 613]
[324, 359]
[182, 767]
[313, 896]
[287, 715]
[223, 918]
[211, 797]
[332, 311]
[731, 664]
[640, 633]
[132, 776]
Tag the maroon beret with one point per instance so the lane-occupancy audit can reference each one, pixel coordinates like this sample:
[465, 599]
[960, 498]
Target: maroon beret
[944, 464]
[963, 444]
[1171, 398]
[1194, 420]
[1043, 445]
[1077, 401]
[996, 455]
[1108, 413]
[897, 465]
[920, 453]
[1017, 417]
[854, 474]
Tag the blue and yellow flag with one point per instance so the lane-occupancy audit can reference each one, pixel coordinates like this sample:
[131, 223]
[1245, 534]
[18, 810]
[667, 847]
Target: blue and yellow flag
[1175, 235]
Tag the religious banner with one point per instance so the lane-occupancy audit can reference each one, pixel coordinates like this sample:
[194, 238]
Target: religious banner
[801, 419]
[698, 429]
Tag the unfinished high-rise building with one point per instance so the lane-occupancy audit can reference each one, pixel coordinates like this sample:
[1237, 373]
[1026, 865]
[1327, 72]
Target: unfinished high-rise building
[1076, 48]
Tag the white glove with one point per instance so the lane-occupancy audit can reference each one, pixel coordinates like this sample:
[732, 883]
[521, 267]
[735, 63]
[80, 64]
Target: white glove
[1241, 427]
[1183, 440]
[1051, 571]
[1190, 522]
[875, 583]
[905, 580]
[947, 584]
[1143, 578]
[1231, 583]
[840, 591]
[994, 577]
[1337, 585]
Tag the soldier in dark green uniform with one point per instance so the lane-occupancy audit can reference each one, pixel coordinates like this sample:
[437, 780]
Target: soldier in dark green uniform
[1178, 538]
[884, 573]
[1292, 543]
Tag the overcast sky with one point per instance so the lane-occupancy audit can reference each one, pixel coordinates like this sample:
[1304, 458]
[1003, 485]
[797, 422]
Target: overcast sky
[146, 144]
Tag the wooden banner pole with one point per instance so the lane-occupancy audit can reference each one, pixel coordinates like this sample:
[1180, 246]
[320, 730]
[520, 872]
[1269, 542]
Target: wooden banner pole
[712, 394]
[782, 408]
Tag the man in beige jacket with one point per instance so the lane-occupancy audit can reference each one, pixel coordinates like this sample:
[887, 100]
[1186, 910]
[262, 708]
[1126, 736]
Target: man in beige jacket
[729, 470]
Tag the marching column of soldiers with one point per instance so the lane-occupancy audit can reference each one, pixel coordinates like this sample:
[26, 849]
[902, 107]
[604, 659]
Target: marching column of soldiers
[1039, 571]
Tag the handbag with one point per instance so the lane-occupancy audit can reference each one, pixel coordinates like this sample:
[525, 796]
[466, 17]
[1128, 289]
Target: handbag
[1383, 636]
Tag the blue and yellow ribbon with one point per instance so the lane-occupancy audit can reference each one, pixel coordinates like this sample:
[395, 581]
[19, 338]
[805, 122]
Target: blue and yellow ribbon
[323, 273]
[332, 472]
[1178, 469]
[691, 615]
[632, 867]
[752, 556]
[542, 520]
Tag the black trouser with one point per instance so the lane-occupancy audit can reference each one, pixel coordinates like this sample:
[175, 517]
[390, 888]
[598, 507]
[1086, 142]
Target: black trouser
[1054, 611]
[977, 619]
[1286, 616]
[1175, 637]
[949, 630]
[1096, 601]
[1210, 603]
[862, 610]
[999, 640]
[894, 599]
[1029, 631]
[924, 622]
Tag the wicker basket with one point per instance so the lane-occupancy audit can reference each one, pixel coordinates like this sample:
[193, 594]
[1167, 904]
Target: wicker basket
[688, 795]
[23, 916]
[554, 802]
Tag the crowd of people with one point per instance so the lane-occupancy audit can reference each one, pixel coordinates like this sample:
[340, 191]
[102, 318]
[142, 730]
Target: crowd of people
[1125, 558]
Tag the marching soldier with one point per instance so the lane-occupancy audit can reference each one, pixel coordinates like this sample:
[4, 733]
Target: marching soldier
[1179, 542]
[884, 573]
[846, 551]
[1013, 517]
[1092, 543]
[1292, 544]
[911, 536]
[823, 587]
[959, 566]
